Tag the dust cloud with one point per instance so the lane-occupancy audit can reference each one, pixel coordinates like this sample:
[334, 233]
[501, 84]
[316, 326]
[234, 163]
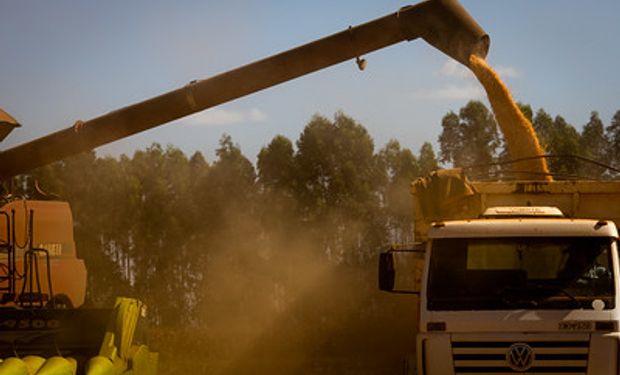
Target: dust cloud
[521, 139]
[274, 303]
[277, 297]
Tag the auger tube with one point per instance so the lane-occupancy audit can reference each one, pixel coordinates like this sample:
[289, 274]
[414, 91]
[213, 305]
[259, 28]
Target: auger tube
[443, 23]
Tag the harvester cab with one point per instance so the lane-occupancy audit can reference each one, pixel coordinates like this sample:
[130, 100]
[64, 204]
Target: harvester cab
[39, 270]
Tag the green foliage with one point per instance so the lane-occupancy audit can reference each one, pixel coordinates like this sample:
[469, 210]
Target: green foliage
[526, 110]
[564, 142]
[276, 164]
[401, 167]
[428, 161]
[469, 139]
[161, 226]
[612, 134]
[338, 179]
[593, 145]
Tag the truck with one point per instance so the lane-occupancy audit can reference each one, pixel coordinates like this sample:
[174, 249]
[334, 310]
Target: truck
[512, 276]
[43, 328]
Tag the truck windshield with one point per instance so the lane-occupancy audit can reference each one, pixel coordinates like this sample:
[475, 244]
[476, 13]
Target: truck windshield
[524, 273]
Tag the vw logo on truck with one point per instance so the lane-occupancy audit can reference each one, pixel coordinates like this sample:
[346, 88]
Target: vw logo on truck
[520, 357]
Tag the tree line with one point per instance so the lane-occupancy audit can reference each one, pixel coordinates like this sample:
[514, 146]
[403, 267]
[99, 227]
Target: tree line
[226, 245]
[150, 224]
[471, 139]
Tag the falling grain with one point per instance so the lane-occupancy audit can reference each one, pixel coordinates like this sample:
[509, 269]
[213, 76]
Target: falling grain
[518, 131]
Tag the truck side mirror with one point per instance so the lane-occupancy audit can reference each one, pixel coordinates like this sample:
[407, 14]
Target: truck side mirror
[410, 259]
[387, 273]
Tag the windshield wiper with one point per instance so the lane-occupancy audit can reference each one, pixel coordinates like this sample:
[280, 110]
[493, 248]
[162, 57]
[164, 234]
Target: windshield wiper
[534, 295]
[560, 290]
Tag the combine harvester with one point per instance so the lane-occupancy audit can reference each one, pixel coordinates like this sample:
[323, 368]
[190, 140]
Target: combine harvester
[42, 284]
[43, 329]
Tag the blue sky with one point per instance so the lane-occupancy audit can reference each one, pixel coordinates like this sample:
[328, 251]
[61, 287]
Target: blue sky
[65, 60]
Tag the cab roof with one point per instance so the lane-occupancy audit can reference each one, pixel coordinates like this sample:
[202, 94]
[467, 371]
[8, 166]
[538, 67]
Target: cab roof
[523, 227]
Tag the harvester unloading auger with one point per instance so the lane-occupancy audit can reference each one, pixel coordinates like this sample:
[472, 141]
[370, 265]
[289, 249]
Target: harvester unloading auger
[42, 331]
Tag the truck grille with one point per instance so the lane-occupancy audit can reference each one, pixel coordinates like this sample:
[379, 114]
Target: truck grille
[505, 357]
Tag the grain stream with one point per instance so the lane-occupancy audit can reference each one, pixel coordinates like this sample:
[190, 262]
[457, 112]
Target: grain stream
[519, 134]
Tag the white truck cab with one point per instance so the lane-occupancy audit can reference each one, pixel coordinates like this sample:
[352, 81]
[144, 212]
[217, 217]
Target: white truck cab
[516, 287]
[533, 295]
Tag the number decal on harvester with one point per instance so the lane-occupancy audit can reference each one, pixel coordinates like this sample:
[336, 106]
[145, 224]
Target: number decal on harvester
[29, 324]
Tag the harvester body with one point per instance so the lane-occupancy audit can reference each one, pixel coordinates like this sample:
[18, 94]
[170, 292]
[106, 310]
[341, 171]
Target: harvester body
[39, 259]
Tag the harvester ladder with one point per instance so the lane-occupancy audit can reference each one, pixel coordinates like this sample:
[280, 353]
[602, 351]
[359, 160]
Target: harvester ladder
[7, 263]
[31, 294]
